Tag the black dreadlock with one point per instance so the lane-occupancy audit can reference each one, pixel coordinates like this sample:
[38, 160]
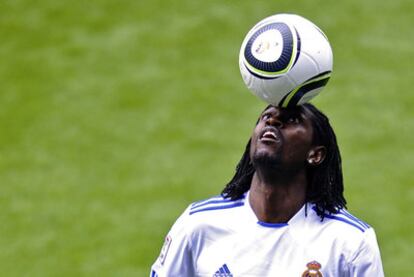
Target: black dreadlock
[325, 182]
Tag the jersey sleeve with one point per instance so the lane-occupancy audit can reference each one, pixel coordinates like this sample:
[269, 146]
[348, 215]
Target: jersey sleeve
[367, 260]
[175, 258]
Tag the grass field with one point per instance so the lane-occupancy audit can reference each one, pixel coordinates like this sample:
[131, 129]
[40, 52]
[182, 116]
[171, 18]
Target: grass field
[115, 115]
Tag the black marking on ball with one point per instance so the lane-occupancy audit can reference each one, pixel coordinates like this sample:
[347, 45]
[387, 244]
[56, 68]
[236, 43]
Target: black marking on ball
[287, 51]
[260, 76]
[298, 48]
[305, 89]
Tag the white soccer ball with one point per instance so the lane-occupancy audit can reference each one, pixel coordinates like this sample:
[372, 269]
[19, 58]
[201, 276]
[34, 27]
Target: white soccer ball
[285, 60]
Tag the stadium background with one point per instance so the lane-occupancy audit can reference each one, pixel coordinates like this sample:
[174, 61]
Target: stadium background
[115, 115]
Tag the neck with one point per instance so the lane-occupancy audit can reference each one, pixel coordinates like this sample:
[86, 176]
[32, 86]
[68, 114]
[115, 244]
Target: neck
[277, 197]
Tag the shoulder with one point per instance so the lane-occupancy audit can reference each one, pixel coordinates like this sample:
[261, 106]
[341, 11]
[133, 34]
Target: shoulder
[209, 215]
[342, 235]
[344, 230]
[358, 242]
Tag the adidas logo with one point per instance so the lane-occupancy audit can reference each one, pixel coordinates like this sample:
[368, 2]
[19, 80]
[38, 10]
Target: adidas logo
[223, 271]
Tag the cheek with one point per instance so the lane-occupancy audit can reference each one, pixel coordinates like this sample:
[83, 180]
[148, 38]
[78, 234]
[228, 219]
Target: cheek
[252, 148]
[297, 152]
[300, 145]
[253, 141]
[255, 133]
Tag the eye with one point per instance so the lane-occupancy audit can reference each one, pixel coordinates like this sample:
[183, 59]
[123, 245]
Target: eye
[292, 120]
[266, 116]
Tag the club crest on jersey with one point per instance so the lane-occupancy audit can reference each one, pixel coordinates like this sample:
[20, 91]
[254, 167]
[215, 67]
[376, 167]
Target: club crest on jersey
[313, 270]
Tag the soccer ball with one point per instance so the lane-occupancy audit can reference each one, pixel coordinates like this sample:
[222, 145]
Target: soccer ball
[285, 60]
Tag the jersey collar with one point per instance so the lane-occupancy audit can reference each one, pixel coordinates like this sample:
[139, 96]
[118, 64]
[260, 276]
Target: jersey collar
[299, 216]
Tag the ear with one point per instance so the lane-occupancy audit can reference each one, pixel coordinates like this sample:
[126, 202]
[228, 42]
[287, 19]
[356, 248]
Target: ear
[316, 155]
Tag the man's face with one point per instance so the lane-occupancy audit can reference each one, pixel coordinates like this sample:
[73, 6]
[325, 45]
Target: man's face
[282, 137]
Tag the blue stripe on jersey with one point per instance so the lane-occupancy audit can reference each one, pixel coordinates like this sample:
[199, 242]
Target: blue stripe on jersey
[218, 207]
[345, 220]
[353, 221]
[350, 216]
[272, 225]
[213, 200]
[153, 273]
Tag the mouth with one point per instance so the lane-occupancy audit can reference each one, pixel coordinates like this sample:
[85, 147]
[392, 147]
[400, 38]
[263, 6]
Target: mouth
[269, 135]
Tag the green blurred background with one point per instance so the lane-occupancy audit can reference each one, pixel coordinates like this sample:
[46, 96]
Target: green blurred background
[115, 115]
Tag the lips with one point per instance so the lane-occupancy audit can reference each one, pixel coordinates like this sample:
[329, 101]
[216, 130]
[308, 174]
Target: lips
[270, 135]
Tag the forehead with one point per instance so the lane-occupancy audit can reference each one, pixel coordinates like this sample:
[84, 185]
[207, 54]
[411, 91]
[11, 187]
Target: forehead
[299, 111]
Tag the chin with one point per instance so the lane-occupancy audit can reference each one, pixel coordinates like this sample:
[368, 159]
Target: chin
[265, 159]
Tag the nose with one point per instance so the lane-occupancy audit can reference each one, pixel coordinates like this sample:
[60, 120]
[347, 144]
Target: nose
[274, 121]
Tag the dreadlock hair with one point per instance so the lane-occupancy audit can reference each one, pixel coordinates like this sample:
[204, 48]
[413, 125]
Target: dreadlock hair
[325, 182]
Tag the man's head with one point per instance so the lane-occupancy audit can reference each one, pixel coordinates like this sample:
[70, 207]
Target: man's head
[283, 139]
[294, 138]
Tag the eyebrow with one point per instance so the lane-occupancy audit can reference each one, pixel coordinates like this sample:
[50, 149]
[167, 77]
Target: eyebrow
[270, 109]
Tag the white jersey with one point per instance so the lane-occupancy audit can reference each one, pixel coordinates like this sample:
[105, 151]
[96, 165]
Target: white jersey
[221, 238]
